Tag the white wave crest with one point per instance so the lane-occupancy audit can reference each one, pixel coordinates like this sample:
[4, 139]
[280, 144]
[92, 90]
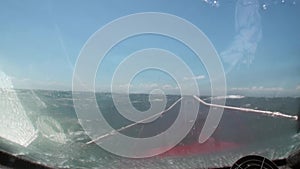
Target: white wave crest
[229, 97]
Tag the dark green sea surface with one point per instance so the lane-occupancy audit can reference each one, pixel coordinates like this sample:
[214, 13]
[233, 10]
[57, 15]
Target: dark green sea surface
[61, 139]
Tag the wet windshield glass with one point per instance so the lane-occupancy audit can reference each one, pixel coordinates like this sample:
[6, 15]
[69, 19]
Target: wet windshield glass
[149, 84]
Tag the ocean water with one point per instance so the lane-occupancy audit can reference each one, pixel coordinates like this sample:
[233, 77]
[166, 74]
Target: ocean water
[61, 141]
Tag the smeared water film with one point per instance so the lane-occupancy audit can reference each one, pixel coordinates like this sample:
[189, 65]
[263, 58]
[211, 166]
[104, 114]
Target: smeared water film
[15, 125]
[248, 34]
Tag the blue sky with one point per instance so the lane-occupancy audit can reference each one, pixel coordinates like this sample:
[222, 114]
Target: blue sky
[41, 40]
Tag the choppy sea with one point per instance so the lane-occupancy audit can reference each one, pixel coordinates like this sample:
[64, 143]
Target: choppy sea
[61, 141]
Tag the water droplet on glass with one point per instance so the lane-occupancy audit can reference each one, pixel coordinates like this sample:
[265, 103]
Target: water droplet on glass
[213, 3]
[264, 6]
[216, 3]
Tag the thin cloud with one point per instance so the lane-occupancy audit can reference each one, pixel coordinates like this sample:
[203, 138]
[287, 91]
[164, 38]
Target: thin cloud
[169, 87]
[147, 87]
[298, 87]
[195, 77]
[26, 83]
[260, 88]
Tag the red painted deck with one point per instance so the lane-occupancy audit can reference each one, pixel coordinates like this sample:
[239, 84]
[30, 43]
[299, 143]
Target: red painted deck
[210, 146]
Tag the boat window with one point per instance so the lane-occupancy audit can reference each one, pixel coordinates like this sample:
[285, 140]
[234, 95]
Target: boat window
[149, 84]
